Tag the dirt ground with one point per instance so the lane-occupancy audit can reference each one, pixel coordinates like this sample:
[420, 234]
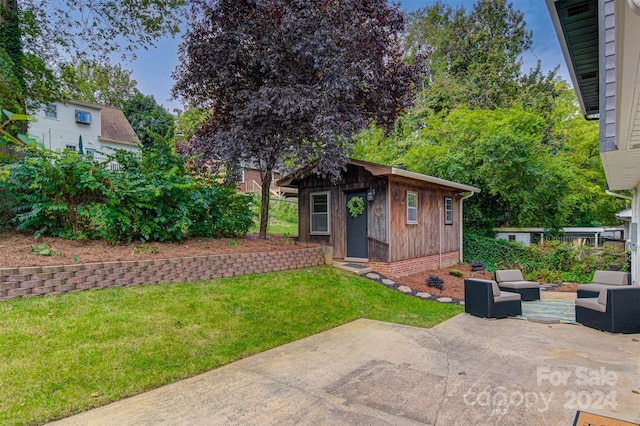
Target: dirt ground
[453, 286]
[16, 249]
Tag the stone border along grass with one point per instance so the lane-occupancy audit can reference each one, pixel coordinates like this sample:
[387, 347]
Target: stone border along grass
[379, 278]
[40, 280]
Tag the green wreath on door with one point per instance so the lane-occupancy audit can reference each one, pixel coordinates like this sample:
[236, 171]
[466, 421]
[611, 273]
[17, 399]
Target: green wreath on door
[355, 206]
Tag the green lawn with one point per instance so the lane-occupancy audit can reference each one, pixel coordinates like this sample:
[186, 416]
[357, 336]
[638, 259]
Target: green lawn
[64, 354]
[277, 227]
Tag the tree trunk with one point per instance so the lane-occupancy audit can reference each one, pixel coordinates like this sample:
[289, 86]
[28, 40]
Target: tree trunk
[267, 176]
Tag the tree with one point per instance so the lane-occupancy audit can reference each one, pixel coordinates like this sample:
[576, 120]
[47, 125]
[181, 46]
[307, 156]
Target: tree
[103, 84]
[148, 118]
[473, 58]
[188, 122]
[291, 81]
[34, 33]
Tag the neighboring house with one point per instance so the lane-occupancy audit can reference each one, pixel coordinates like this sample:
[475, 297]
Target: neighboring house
[60, 125]
[593, 236]
[600, 43]
[251, 183]
[408, 222]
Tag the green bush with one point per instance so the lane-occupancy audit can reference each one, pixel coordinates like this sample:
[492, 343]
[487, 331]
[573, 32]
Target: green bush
[152, 197]
[455, 272]
[552, 261]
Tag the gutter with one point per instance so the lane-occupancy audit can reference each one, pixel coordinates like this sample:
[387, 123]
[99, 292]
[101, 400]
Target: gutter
[613, 194]
[464, 197]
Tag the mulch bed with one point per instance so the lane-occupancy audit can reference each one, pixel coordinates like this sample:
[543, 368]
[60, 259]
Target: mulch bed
[16, 249]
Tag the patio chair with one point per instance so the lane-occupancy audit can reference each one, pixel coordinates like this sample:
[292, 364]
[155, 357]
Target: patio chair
[483, 298]
[614, 310]
[602, 280]
[513, 281]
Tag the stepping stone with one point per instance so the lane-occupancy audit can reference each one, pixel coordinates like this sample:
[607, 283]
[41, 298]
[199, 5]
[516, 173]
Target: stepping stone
[373, 276]
[445, 299]
[405, 289]
[423, 295]
[386, 281]
[462, 303]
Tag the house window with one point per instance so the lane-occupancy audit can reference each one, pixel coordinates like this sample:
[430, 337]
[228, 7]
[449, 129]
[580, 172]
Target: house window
[91, 153]
[83, 117]
[512, 238]
[320, 213]
[51, 111]
[70, 147]
[448, 211]
[412, 208]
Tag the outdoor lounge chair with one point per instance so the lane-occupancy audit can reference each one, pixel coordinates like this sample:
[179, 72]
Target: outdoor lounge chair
[601, 280]
[513, 281]
[483, 298]
[614, 310]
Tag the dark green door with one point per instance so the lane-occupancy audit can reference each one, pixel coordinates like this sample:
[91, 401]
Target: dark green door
[357, 227]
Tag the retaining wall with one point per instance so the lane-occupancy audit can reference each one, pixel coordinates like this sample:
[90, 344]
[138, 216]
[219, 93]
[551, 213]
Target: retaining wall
[39, 280]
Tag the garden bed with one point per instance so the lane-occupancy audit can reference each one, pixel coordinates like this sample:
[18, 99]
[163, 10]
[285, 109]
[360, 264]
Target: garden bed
[18, 249]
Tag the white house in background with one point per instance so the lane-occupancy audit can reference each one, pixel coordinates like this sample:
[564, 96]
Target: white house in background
[60, 125]
[600, 40]
[593, 236]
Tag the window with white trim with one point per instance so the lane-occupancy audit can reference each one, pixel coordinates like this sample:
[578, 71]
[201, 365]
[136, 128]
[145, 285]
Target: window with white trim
[412, 208]
[51, 111]
[320, 213]
[70, 147]
[448, 211]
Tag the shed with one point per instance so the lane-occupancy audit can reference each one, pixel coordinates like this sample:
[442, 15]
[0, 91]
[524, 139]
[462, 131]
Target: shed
[400, 222]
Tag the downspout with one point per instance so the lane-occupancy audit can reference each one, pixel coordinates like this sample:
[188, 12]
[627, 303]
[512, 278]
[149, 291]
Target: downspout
[464, 197]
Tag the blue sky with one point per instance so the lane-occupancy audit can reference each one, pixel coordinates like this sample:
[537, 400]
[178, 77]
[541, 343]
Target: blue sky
[152, 69]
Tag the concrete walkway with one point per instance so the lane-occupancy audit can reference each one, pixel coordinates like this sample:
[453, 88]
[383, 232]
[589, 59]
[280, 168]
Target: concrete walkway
[466, 371]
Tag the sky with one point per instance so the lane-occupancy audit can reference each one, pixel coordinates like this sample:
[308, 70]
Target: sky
[152, 69]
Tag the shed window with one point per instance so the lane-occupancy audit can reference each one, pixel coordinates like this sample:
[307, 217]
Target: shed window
[512, 238]
[448, 210]
[320, 213]
[412, 208]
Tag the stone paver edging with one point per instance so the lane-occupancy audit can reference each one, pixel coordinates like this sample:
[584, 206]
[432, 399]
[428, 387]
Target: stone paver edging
[379, 278]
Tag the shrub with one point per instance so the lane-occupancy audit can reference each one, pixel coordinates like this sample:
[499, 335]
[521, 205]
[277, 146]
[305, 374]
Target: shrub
[455, 272]
[152, 197]
[435, 282]
[478, 265]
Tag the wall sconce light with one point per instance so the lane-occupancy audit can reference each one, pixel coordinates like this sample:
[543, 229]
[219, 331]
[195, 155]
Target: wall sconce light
[371, 194]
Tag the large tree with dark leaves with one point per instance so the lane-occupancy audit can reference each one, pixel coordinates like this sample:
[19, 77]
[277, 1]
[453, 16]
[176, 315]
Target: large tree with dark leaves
[291, 81]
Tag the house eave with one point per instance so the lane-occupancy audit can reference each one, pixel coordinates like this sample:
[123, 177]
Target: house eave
[129, 143]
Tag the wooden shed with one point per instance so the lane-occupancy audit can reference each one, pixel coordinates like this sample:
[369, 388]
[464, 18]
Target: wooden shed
[400, 222]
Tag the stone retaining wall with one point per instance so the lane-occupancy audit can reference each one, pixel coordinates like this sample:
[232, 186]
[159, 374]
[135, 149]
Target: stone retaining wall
[39, 280]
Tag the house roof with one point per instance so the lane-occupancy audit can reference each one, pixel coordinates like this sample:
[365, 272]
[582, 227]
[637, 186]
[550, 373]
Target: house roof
[114, 126]
[379, 170]
[576, 23]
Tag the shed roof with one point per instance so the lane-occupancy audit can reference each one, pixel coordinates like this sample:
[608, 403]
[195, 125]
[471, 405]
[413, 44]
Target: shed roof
[293, 180]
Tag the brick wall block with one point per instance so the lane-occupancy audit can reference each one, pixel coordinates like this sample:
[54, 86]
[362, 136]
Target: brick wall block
[65, 288]
[29, 270]
[85, 285]
[5, 272]
[43, 290]
[15, 292]
[31, 284]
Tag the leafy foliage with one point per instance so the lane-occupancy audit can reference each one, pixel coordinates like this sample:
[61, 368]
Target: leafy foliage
[91, 81]
[291, 81]
[551, 262]
[435, 282]
[455, 272]
[149, 119]
[152, 198]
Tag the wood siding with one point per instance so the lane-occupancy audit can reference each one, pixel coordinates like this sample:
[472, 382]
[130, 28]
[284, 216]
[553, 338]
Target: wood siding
[607, 73]
[354, 180]
[422, 239]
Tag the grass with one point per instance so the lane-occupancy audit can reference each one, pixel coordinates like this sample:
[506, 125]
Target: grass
[276, 227]
[65, 354]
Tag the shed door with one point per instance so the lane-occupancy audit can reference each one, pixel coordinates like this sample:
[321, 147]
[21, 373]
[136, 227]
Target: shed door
[357, 229]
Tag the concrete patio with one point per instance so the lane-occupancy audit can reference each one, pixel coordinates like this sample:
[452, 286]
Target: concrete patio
[464, 371]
